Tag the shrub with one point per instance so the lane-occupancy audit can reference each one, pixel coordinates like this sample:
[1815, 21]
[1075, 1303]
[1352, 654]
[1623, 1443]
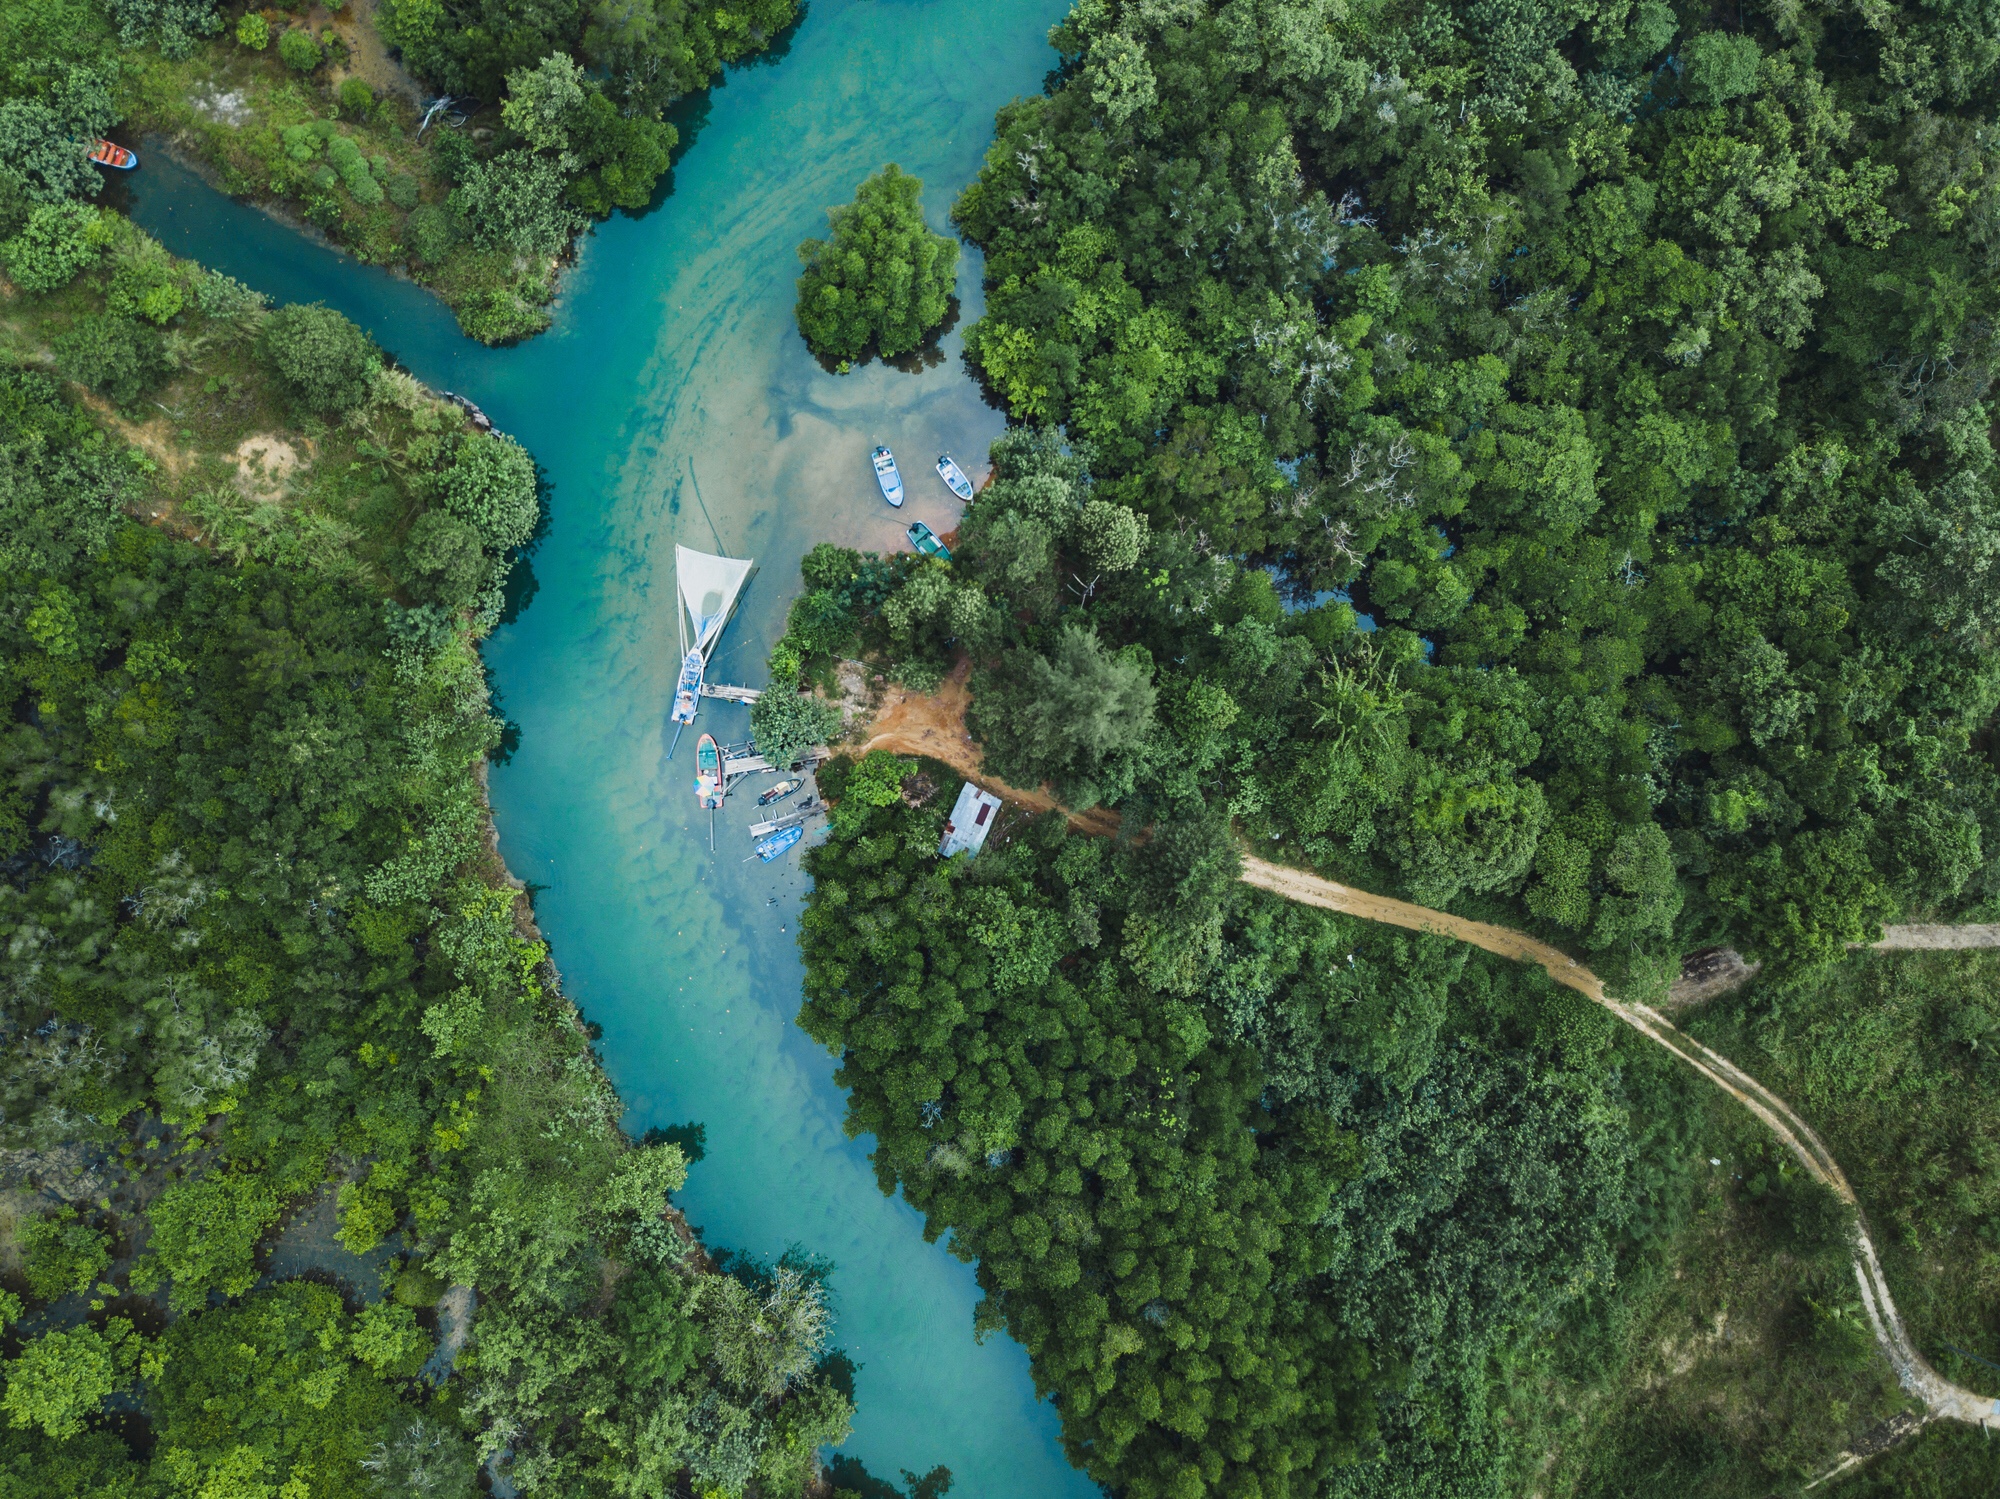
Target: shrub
[430, 232]
[356, 97]
[404, 191]
[59, 1380]
[442, 562]
[491, 487]
[57, 241]
[786, 722]
[500, 316]
[205, 1234]
[326, 362]
[345, 157]
[61, 1254]
[148, 287]
[254, 32]
[299, 51]
[515, 202]
[113, 356]
[176, 25]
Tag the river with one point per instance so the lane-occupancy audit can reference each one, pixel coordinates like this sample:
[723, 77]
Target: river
[673, 401]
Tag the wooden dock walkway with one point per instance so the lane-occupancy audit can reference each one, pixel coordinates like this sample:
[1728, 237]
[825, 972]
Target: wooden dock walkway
[731, 694]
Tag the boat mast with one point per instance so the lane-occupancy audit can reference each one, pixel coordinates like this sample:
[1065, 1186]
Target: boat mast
[680, 623]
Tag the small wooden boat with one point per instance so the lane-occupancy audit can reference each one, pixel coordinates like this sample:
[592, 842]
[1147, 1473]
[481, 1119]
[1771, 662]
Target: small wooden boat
[924, 539]
[769, 848]
[887, 476]
[954, 477]
[687, 695]
[707, 773]
[779, 792]
[111, 154]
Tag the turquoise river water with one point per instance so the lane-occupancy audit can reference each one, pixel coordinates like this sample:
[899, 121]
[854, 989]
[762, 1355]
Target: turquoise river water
[673, 401]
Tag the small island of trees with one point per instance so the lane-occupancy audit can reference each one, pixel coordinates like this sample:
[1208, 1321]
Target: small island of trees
[882, 280]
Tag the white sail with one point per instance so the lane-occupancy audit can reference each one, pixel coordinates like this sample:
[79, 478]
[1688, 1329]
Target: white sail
[709, 585]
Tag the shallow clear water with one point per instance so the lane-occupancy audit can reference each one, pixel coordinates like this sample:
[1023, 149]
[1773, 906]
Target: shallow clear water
[673, 401]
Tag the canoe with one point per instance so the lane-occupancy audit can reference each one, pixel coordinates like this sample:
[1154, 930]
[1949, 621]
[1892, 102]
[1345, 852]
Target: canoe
[769, 848]
[954, 477]
[779, 792]
[707, 772]
[111, 154]
[688, 693]
[924, 539]
[887, 476]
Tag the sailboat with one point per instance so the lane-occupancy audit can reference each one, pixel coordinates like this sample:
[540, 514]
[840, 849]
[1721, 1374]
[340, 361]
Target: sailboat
[709, 586]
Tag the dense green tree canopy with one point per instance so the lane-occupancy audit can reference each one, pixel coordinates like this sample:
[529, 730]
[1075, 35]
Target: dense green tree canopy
[1632, 382]
[881, 280]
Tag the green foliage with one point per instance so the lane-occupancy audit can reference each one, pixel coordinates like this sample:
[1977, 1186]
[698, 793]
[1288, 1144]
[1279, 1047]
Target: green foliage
[882, 280]
[299, 49]
[356, 97]
[491, 486]
[90, 1465]
[57, 241]
[304, 1410]
[61, 483]
[239, 795]
[176, 27]
[61, 1253]
[1656, 484]
[785, 722]
[1076, 719]
[430, 232]
[253, 31]
[205, 1234]
[114, 356]
[59, 1380]
[387, 1339]
[515, 202]
[326, 362]
[1217, 1218]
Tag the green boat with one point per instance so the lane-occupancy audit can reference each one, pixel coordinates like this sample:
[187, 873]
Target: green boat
[924, 539]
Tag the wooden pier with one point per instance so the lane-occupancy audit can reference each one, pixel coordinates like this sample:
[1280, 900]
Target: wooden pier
[753, 764]
[730, 694]
[790, 819]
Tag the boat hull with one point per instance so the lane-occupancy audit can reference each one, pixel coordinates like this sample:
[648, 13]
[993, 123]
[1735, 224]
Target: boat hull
[954, 477]
[771, 847]
[888, 477]
[687, 693]
[708, 785]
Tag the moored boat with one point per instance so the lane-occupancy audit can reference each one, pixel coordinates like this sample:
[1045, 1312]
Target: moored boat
[954, 477]
[769, 848]
[779, 792]
[887, 476]
[687, 695]
[925, 540]
[111, 154]
[707, 773]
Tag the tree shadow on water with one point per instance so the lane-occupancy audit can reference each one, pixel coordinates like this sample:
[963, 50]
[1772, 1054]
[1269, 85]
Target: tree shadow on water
[848, 1474]
[927, 355]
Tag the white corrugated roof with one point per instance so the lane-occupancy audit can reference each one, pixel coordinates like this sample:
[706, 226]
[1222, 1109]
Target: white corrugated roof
[972, 818]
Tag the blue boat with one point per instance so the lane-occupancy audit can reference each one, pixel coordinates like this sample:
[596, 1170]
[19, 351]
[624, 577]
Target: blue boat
[688, 693]
[887, 476]
[769, 848]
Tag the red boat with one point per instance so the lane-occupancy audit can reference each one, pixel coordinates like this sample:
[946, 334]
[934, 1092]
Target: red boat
[111, 154]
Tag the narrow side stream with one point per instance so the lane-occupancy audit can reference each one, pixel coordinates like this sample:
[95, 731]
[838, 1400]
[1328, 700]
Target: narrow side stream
[673, 401]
